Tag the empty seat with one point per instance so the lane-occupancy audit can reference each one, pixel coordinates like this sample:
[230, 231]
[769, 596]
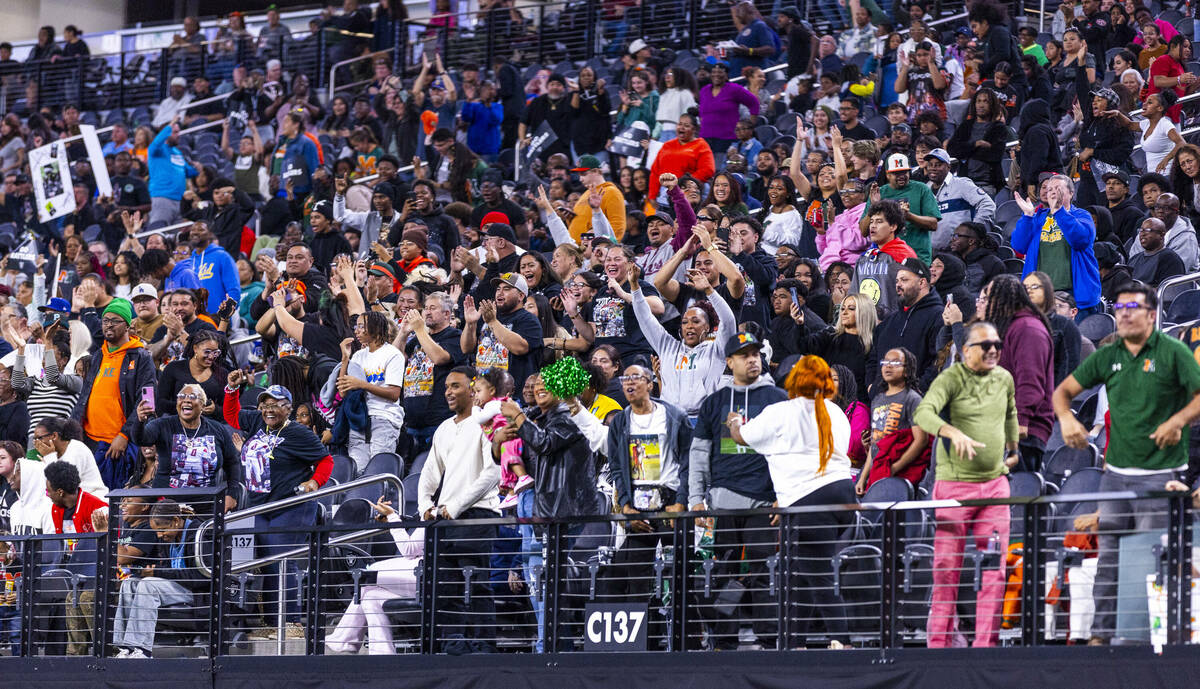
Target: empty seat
[1185, 307]
[1067, 460]
[1097, 326]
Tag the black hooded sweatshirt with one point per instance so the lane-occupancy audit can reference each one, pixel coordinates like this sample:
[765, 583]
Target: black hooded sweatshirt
[951, 283]
[1039, 144]
[1126, 217]
[916, 329]
[982, 265]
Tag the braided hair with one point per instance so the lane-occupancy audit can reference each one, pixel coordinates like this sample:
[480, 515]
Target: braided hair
[1007, 298]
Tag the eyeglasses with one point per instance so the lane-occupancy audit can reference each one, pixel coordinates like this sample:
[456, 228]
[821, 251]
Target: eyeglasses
[704, 218]
[987, 345]
[112, 321]
[1120, 306]
[891, 363]
[264, 406]
[187, 397]
[632, 379]
[45, 436]
[1033, 288]
[1150, 230]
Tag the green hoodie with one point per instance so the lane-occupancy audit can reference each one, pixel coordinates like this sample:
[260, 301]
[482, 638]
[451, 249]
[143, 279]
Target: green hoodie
[983, 406]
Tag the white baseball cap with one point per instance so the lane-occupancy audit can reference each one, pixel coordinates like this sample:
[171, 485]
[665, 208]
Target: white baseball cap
[143, 290]
[898, 162]
[179, 81]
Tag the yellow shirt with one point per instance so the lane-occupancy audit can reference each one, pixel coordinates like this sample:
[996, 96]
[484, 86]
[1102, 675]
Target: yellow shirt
[603, 406]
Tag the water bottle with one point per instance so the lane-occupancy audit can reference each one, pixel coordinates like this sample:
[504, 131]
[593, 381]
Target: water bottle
[994, 542]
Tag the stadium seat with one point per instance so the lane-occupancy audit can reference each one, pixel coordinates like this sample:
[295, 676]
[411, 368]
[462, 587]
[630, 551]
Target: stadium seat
[1066, 461]
[1097, 326]
[1183, 308]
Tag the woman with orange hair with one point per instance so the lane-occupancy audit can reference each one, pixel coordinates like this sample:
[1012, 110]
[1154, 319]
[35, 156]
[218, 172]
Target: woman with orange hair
[804, 441]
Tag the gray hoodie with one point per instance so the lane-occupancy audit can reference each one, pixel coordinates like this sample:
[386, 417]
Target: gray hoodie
[689, 374]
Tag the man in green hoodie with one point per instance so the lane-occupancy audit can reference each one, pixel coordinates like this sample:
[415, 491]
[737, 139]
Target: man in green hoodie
[971, 465]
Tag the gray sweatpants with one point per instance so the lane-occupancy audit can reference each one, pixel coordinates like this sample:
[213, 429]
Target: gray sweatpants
[165, 210]
[137, 610]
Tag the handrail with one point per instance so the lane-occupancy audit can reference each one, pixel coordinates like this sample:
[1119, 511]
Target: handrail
[162, 230]
[1162, 289]
[332, 90]
[291, 501]
[1182, 101]
[205, 101]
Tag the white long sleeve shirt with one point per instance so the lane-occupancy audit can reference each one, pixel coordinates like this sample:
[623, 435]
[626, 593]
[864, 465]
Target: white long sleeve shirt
[82, 458]
[460, 461]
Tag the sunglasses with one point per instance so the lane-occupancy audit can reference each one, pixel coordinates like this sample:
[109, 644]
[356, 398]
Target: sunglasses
[1121, 306]
[988, 345]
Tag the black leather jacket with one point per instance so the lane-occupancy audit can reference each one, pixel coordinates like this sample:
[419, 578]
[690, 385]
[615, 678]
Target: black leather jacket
[558, 457]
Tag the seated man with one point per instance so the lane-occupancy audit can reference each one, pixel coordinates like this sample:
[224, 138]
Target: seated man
[76, 511]
[174, 581]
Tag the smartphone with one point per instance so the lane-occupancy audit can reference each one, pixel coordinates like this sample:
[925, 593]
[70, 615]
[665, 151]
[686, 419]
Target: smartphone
[795, 297]
[723, 234]
[148, 396]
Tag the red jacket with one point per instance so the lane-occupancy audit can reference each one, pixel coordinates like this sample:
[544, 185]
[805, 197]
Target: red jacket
[82, 520]
[889, 449]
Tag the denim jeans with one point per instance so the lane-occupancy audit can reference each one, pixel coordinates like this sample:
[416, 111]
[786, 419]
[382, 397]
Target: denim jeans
[532, 555]
[304, 514]
[137, 610]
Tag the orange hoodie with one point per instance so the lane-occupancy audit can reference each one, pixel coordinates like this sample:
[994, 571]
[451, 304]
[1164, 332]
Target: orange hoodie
[105, 417]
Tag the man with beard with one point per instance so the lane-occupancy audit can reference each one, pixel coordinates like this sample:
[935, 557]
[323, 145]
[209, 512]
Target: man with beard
[373, 224]
[766, 163]
[129, 191]
[959, 200]
[191, 446]
[1154, 261]
[725, 475]
[214, 268]
[179, 322]
[914, 326]
[494, 201]
[228, 214]
[554, 108]
[430, 354]
[298, 264]
[502, 334]
[112, 387]
[1125, 213]
[500, 247]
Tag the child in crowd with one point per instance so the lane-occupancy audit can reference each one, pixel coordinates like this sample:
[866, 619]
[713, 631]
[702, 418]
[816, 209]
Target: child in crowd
[492, 388]
[898, 446]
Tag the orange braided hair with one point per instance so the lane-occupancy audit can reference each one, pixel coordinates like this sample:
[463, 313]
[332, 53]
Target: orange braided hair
[810, 377]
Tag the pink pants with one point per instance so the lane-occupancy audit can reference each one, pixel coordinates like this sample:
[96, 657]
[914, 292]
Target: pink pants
[396, 580]
[953, 526]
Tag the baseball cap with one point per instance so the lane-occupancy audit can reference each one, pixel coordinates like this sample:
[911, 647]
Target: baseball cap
[791, 12]
[179, 81]
[381, 269]
[741, 341]
[664, 216]
[57, 304]
[902, 127]
[502, 230]
[514, 280]
[1119, 174]
[898, 162]
[143, 290]
[940, 154]
[916, 266]
[494, 217]
[277, 392]
[637, 45]
[587, 162]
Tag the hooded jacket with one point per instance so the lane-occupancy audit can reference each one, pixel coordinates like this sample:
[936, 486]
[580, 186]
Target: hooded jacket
[1126, 216]
[135, 372]
[560, 461]
[675, 452]
[1181, 239]
[962, 147]
[1103, 220]
[30, 514]
[951, 284]
[1039, 144]
[1028, 355]
[226, 222]
[916, 329]
[960, 200]
[982, 266]
[721, 472]
[1080, 233]
[689, 374]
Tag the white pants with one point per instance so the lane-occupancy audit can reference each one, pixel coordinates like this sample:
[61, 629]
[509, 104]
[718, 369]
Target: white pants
[385, 433]
[396, 580]
[1083, 604]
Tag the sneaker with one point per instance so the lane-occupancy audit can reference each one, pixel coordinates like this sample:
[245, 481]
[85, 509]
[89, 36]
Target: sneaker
[523, 484]
[510, 501]
[139, 653]
[1097, 641]
[123, 653]
[294, 630]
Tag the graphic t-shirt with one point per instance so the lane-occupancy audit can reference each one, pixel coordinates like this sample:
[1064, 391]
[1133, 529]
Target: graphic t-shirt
[275, 462]
[615, 322]
[891, 413]
[647, 437]
[490, 352]
[384, 366]
[424, 397]
[1054, 255]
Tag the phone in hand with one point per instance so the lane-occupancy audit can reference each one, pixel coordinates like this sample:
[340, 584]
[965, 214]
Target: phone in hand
[148, 396]
[723, 234]
[795, 297]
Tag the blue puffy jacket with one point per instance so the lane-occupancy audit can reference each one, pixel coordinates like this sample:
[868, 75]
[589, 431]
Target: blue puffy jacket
[1080, 232]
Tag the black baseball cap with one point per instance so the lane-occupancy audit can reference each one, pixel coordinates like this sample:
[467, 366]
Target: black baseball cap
[916, 266]
[741, 341]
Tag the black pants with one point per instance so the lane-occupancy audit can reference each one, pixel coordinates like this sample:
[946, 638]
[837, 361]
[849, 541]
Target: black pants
[631, 576]
[811, 545]
[752, 539]
[462, 547]
[1031, 450]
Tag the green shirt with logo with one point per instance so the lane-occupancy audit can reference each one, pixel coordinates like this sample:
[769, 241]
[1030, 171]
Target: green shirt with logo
[1144, 390]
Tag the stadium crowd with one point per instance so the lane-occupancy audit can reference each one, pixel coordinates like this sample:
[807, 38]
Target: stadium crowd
[775, 292]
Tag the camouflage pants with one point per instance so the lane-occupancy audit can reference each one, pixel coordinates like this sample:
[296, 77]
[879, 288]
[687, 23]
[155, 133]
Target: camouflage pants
[80, 606]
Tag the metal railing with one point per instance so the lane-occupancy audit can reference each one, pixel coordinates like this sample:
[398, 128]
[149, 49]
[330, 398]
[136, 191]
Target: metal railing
[1168, 284]
[333, 69]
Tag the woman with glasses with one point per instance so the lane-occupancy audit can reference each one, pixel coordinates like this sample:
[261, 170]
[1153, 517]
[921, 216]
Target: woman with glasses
[201, 365]
[60, 439]
[1067, 340]
[191, 448]
[280, 458]
[977, 436]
